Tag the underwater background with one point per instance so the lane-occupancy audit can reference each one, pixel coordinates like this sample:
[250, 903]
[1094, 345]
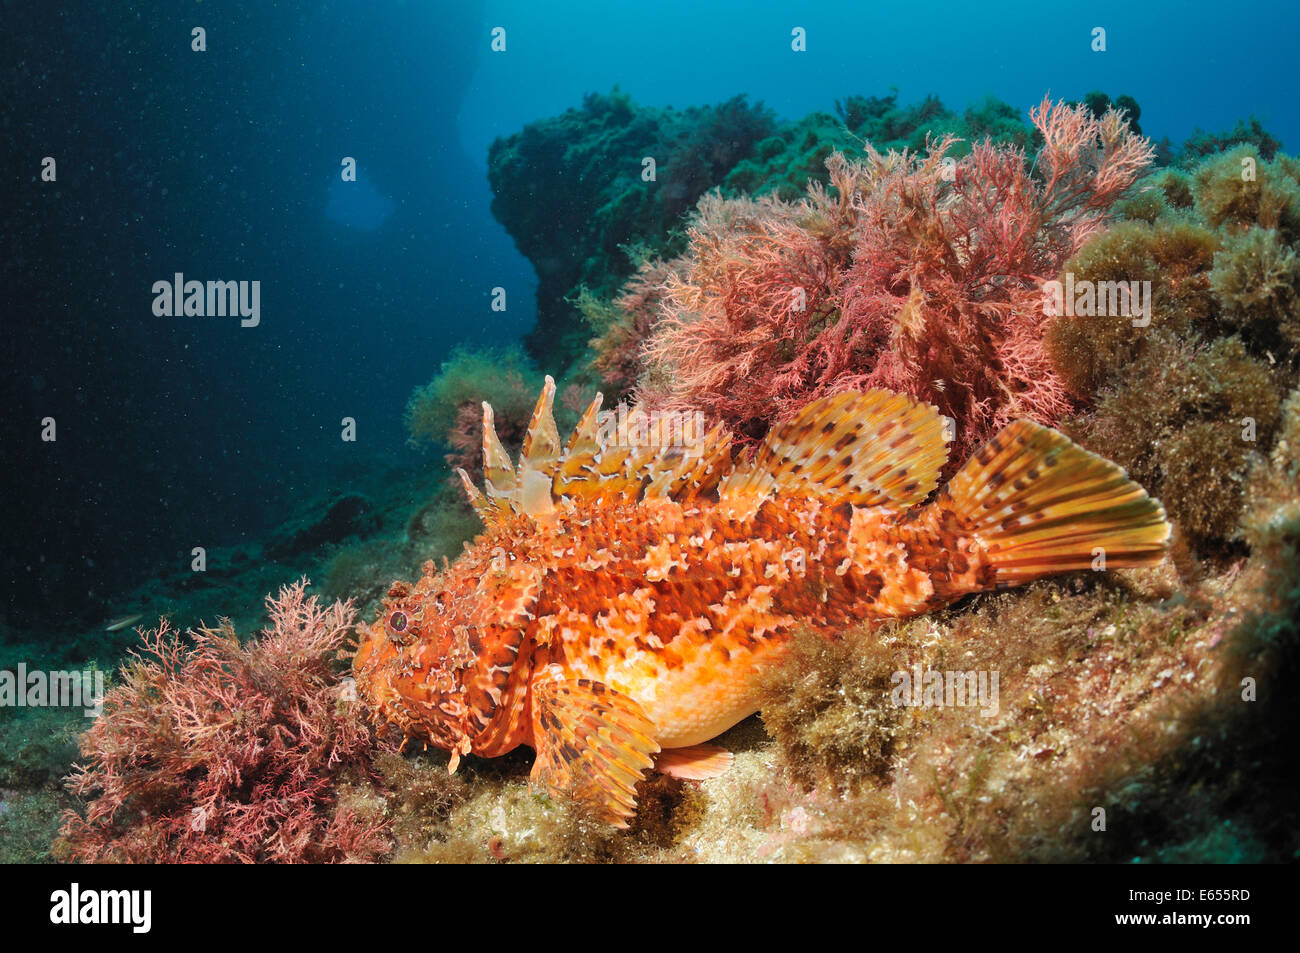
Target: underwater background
[497, 214]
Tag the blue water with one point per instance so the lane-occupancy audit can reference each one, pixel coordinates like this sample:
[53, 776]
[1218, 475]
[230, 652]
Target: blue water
[224, 165]
[1188, 64]
[357, 203]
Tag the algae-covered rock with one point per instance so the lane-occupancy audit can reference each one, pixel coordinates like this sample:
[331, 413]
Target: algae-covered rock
[574, 188]
[580, 190]
[1256, 279]
[1240, 188]
[348, 515]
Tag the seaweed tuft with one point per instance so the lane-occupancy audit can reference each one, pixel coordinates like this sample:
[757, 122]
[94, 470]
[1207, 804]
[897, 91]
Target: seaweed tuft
[1256, 279]
[1239, 188]
[828, 706]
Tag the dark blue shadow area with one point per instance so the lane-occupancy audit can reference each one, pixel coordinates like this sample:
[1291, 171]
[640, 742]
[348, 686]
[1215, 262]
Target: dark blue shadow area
[224, 165]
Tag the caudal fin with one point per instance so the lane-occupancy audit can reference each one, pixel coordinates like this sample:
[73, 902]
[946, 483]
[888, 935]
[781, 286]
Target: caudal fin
[1043, 505]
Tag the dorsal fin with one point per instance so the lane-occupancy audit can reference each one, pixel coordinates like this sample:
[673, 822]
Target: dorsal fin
[499, 483]
[708, 468]
[542, 441]
[602, 459]
[583, 438]
[875, 448]
[540, 456]
[485, 510]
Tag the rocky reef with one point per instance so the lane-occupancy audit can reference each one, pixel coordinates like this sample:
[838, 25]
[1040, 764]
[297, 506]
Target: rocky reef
[1139, 715]
[575, 189]
[576, 194]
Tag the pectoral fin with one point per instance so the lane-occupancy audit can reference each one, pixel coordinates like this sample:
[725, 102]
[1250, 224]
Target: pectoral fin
[593, 744]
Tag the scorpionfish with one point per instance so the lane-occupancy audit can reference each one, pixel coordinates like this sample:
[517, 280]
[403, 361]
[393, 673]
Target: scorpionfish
[623, 602]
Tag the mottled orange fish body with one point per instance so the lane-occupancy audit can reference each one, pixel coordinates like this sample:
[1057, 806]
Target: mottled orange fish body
[623, 601]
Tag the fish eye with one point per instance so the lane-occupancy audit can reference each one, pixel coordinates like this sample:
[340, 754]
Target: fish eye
[397, 625]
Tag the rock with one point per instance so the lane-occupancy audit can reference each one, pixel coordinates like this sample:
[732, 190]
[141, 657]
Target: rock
[349, 515]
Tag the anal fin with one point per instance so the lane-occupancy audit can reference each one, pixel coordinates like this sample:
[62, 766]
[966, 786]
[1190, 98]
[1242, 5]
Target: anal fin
[696, 763]
[593, 744]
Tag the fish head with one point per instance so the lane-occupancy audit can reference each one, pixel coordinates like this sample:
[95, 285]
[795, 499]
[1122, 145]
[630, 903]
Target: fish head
[427, 665]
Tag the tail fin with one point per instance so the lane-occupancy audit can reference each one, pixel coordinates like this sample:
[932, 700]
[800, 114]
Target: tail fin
[1043, 505]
